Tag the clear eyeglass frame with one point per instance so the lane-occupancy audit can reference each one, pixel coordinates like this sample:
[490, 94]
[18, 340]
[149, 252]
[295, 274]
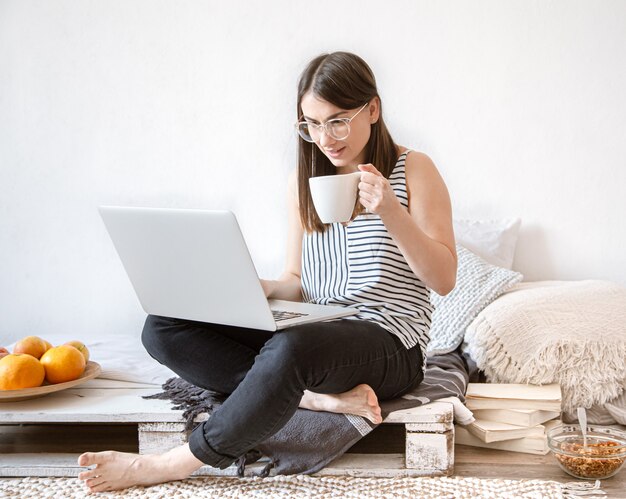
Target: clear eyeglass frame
[337, 128]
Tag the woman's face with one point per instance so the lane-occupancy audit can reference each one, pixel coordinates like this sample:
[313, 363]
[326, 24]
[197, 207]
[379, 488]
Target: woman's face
[349, 152]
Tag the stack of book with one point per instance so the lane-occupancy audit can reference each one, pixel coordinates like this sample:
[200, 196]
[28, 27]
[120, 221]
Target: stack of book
[513, 417]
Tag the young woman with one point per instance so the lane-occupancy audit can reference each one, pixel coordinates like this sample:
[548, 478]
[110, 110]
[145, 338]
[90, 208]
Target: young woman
[398, 245]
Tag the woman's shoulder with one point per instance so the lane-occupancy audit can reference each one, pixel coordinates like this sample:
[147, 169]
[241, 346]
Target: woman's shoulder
[416, 161]
[420, 172]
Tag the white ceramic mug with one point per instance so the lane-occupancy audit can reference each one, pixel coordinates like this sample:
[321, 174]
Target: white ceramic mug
[334, 196]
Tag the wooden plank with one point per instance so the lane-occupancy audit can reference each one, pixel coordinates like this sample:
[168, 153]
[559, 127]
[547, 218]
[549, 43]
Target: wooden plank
[429, 427]
[66, 465]
[432, 453]
[116, 404]
[169, 426]
[158, 442]
[435, 412]
[37, 464]
[91, 405]
[162, 427]
[372, 466]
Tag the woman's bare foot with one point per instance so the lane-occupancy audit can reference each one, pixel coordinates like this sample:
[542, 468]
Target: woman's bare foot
[361, 401]
[120, 470]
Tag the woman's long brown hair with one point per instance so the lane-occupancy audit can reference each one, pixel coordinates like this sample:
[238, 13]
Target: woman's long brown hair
[345, 80]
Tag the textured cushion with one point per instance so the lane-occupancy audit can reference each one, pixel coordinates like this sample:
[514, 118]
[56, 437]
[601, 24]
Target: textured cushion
[492, 240]
[478, 283]
[567, 332]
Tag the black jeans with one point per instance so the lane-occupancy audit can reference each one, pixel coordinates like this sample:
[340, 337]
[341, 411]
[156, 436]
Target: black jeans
[265, 373]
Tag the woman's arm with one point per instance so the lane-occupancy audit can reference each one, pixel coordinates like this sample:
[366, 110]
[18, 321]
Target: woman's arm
[288, 286]
[424, 233]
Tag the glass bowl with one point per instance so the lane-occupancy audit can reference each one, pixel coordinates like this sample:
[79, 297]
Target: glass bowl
[604, 456]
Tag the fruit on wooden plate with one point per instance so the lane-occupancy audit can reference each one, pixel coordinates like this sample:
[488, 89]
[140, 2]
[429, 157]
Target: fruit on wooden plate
[3, 352]
[20, 370]
[63, 363]
[81, 347]
[32, 345]
[48, 345]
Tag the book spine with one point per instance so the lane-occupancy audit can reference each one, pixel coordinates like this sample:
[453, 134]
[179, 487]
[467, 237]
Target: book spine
[526, 445]
[517, 418]
[485, 403]
[499, 435]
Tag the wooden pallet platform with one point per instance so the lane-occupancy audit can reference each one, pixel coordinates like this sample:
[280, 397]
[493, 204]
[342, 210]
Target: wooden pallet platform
[152, 426]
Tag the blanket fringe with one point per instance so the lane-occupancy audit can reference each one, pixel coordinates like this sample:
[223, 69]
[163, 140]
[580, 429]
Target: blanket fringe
[188, 398]
[252, 457]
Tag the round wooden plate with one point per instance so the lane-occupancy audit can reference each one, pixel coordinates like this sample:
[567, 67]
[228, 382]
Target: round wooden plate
[91, 371]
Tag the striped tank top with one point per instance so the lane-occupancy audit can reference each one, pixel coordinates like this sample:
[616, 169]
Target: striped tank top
[359, 265]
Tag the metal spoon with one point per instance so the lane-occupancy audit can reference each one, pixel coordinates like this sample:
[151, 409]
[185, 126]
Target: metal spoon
[582, 420]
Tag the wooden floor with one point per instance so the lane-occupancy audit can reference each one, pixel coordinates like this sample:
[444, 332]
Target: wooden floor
[469, 461]
[488, 463]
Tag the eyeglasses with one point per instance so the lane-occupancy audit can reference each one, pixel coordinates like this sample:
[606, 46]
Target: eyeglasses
[338, 128]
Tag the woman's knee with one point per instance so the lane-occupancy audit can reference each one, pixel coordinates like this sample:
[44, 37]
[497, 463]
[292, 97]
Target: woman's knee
[152, 335]
[291, 347]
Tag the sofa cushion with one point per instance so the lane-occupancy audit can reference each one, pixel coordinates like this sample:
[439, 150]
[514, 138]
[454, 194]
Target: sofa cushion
[567, 332]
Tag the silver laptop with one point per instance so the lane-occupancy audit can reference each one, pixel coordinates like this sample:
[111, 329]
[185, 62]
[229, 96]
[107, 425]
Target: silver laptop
[194, 264]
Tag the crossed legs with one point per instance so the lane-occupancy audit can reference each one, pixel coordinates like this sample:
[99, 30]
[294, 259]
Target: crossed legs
[338, 366]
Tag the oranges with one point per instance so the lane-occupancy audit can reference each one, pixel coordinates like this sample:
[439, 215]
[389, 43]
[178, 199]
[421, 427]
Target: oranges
[34, 360]
[80, 346]
[32, 345]
[20, 370]
[63, 363]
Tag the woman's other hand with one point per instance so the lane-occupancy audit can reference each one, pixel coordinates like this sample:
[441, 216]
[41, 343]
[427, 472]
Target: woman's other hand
[286, 287]
[375, 192]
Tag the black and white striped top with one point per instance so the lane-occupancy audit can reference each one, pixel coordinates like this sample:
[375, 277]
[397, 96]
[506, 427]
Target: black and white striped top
[359, 265]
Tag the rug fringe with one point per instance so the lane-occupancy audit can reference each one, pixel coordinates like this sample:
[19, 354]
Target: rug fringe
[572, 490]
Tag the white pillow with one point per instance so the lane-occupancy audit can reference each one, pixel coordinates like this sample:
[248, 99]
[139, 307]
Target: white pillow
[478, 283]
[492, 240]
[567, 332]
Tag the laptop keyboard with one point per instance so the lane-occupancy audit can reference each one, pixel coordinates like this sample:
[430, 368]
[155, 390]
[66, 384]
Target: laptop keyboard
[283, 315]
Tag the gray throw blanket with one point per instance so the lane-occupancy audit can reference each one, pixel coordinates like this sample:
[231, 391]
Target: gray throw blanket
[310, 439]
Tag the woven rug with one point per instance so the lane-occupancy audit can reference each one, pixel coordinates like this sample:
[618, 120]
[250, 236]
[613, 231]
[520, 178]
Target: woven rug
[303, 486]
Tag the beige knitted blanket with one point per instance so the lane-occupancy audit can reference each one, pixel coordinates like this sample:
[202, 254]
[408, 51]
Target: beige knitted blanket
[567, 332]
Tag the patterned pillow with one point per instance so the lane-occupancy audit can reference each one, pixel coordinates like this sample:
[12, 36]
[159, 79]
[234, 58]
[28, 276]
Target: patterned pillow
[478, 283]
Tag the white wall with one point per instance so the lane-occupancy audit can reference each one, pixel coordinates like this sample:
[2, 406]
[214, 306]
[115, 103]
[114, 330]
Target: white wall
[520, 103]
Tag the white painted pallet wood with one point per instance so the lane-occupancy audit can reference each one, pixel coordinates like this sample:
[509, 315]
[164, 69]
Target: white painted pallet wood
[357, 465]
[376, 466]
[66, 465]
[429, 432]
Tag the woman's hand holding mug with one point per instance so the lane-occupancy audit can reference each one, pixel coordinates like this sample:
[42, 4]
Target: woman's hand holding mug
[375, 191]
